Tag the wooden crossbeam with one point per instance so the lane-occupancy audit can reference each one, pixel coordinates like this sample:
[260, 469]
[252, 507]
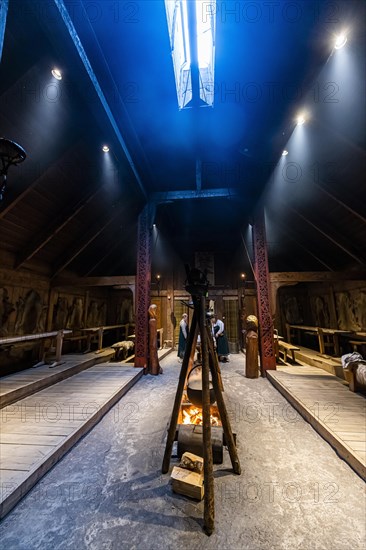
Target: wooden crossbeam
[169, 196]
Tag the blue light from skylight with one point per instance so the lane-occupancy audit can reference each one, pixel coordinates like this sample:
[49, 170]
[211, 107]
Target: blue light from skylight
[183, 40]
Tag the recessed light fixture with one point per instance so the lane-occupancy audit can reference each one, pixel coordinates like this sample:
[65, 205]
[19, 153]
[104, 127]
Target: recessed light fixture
[284, 153]
[340, 41]
[105, 149]
[56, 73]
[300, 119]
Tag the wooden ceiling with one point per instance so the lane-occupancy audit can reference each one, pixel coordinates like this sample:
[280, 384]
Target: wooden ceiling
[71, 208]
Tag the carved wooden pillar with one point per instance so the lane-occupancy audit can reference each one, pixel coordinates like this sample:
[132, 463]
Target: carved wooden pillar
[267, 352]
[143, 282]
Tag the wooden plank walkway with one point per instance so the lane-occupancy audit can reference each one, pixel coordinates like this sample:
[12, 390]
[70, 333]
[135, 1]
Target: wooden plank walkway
[38, 430]
[327, 404]
[20, 384]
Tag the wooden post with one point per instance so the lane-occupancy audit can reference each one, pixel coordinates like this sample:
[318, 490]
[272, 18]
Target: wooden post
[209, 504]
[251, 355]
[143, 283]
[178, 398]
[218, 388]
[267, 354]
[100, 338]
[59, 340]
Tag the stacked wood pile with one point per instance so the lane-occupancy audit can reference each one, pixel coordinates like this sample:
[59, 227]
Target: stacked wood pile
[187, 478]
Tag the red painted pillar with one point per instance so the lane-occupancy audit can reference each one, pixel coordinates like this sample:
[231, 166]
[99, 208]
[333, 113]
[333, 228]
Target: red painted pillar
[143, 282]
[266, 343]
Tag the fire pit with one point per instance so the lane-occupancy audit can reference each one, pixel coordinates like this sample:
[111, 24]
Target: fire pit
[190, 438]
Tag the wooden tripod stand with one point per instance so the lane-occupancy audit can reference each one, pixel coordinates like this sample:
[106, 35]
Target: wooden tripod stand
[209, 364]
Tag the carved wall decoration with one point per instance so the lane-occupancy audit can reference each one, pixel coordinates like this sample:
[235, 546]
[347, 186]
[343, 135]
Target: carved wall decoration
[60, 313]
[102, 314]
[351, 307]
[126, 311]
[30, 314]
[75, 319]
[360, 302]
[6, 308]
[92, 318]
[320, 311]
[293, 311]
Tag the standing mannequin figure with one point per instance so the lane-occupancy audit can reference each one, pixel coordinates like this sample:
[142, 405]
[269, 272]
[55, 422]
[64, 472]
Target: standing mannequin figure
[183, 335]
[222, 344]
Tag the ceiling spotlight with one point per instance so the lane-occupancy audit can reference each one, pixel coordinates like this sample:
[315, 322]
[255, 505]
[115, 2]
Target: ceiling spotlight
[340, 41]
[300, 120]
[284, 153]
[105, 149]
[243, 276]
[56, 73]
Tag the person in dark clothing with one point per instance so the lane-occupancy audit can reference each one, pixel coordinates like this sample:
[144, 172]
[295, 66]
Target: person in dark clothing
[222, 344]
[183, 335]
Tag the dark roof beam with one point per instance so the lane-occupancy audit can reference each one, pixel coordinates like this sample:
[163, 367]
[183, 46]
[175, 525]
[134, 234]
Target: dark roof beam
[89, 238]
[341, 203]
[168, 196]
[88, 67]
[330, 238]
[285, 232]
[55, 227]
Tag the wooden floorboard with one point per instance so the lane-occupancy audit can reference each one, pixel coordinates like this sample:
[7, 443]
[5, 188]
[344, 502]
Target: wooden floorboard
[327, 404]
[19, 385]
[38, 430]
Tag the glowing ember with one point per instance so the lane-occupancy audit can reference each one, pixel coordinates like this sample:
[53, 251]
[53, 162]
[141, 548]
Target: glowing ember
[193, 415]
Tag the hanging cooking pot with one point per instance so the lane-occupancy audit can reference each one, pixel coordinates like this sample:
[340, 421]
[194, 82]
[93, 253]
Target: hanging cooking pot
[194, 387]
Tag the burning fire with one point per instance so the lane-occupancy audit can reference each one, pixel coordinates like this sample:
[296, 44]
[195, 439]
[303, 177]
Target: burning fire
[193, 415]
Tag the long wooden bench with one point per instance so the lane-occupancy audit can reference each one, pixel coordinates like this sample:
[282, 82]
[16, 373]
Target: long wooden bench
[356, 344]
[9, 341]
[285, 347]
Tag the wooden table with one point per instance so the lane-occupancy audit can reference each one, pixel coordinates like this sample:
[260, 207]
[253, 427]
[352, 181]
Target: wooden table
[321, 333]
[277, 338]
[100, 331]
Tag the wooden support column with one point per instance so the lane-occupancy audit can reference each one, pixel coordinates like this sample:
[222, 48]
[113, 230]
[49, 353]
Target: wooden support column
[266, 342]
[143, 283]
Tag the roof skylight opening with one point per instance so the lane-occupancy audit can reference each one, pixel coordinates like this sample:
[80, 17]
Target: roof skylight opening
[340, 41]
[191, 26]
[56, 73]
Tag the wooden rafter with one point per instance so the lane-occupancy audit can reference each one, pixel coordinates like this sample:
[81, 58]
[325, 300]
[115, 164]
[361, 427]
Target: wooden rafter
[89, 238]
[55, 227]
[298, 243]
[341, 203]
[329, 237]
